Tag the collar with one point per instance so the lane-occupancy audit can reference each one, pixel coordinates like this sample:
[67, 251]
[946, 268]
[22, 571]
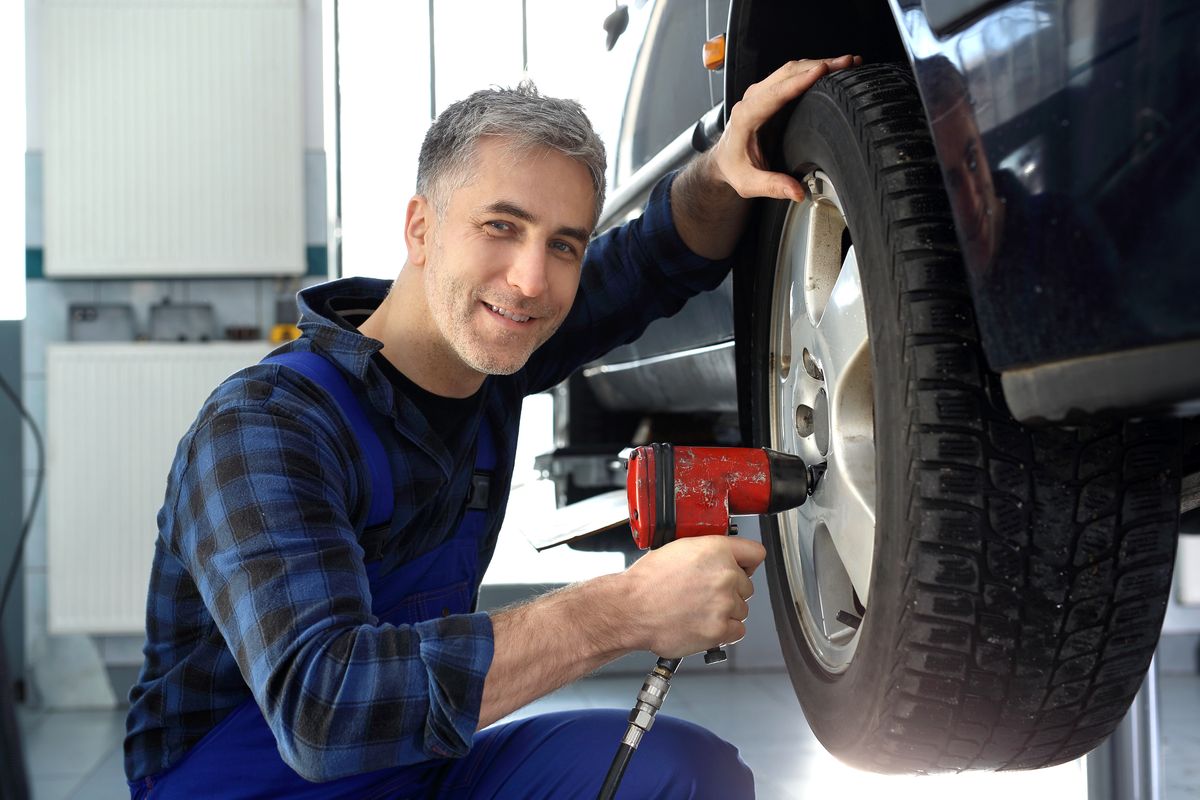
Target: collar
[353, 352]
[350, 350]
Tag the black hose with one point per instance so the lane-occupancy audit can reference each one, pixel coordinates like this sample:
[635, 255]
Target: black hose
[663, 671]
[14, 781]
[615, 772]
[27, 522]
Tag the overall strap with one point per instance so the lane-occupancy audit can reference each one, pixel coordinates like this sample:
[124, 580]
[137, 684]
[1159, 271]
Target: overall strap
[479, 495]
[325, 374]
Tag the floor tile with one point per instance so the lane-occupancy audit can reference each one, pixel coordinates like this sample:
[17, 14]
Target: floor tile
[68, 673]
[77, 755]
[107, 779]
[54, 788]
[72, 743]
[28, 719]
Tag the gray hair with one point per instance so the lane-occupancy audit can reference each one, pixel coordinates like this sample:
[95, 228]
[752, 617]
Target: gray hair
[522, 117]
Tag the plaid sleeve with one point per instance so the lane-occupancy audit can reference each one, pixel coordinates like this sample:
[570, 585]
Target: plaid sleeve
[263, 528]
[631, 276]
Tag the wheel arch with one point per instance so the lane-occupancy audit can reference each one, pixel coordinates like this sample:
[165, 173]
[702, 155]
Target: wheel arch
[762, 34]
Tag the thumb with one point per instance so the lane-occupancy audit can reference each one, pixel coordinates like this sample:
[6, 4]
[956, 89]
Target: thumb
[747, 552]
[785, 187]
[763, 183]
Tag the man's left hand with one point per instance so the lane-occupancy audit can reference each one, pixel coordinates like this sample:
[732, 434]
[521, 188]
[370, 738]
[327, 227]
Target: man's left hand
[738, 157]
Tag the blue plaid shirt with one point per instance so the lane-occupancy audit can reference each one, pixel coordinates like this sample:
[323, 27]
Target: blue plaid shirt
[259, 585]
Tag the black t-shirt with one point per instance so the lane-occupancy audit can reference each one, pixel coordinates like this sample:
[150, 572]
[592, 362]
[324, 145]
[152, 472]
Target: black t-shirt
[446, 415]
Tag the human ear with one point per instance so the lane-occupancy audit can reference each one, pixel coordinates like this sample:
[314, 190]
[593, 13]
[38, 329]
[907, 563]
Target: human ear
[417, 229]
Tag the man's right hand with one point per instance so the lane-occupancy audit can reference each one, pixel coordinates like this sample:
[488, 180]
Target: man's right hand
[691, 594]
[677, 600]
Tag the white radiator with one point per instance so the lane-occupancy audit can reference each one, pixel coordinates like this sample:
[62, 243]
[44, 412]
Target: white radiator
[114, 414]
[173, 137]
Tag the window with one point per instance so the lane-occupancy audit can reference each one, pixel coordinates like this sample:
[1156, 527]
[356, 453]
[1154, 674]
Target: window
[670, 89]
[384, 64]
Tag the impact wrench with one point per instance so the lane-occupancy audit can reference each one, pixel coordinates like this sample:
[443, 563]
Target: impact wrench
[678, 492]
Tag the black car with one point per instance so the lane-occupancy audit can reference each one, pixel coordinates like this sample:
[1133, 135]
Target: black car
[985, 318]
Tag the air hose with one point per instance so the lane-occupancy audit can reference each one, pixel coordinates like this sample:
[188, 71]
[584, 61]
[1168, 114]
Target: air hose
[641, 718]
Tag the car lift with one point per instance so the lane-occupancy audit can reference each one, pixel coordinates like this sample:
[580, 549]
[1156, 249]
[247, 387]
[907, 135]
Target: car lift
[1128, 766]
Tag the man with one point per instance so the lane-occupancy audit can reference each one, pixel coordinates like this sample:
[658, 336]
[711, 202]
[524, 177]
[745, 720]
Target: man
[294, 651]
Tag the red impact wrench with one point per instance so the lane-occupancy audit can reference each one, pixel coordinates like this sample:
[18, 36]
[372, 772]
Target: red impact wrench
[679, 492]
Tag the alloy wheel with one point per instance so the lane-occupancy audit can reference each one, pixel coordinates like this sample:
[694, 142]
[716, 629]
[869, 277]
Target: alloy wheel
[821, 408]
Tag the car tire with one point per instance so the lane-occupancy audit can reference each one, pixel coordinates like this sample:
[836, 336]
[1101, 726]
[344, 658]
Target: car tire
[1004, 609]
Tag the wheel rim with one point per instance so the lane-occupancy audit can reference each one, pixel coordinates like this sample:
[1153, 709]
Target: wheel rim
[821, 408]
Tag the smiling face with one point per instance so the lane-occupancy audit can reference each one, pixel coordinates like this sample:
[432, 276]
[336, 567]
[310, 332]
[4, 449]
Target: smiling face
[501, 264]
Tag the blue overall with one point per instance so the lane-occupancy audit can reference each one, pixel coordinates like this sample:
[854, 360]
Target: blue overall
[561, 755]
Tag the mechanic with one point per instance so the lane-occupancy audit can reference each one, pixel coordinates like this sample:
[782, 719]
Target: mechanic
[293, 652]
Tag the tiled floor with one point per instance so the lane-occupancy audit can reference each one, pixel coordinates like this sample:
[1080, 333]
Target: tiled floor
[77, 755]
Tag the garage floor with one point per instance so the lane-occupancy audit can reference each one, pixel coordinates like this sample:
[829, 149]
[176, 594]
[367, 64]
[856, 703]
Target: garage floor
[77, 755]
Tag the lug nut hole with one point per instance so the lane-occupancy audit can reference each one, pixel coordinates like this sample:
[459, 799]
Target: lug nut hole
[811, 367]
[804, 420]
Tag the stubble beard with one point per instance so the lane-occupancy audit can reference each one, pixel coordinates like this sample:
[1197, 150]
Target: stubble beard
[454, 305]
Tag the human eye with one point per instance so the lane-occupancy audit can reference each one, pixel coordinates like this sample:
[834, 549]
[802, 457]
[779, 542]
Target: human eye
[500, 226]
[565, 248]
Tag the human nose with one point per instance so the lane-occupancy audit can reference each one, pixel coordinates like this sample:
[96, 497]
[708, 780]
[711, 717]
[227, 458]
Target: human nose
[528, 273]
